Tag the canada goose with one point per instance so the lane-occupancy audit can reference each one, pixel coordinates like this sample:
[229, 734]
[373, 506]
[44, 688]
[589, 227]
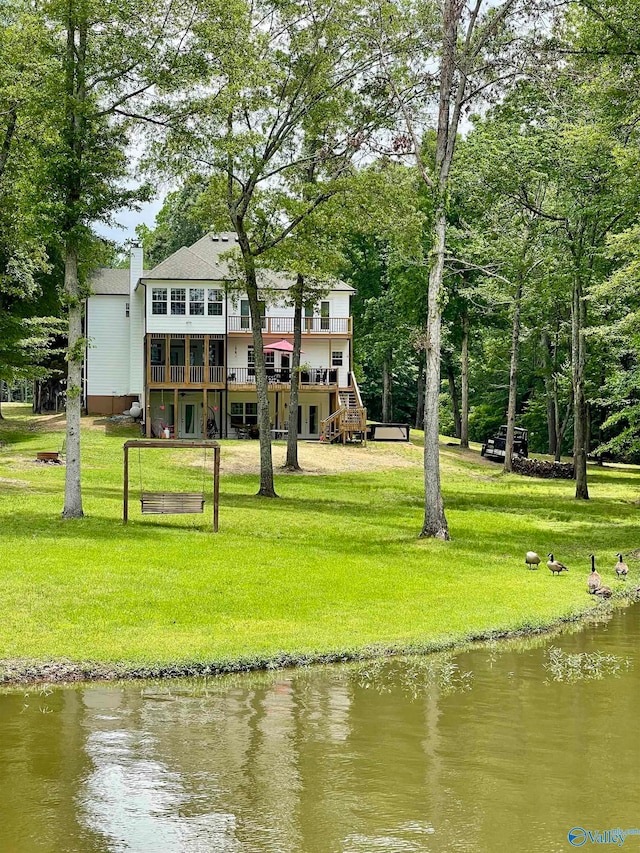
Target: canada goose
[622, 569]
[532, 560]
[555, 565]
[594, 580]
[603, 591]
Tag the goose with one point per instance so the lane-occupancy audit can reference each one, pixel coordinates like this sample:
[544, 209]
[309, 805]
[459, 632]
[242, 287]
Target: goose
[555, 565]
[594, 580]
[532, 560]
[622, 569]
[603, 591]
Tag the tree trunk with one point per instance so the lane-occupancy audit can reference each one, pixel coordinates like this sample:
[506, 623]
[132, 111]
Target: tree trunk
[75, 355]
[387, 408]
[578, 359]
[1, 415]
[453, 392]
[291, 462]
[562, 427]
[75, 127]
[266, 489]
[464, 381]
[513, 381]
[420, 391]
[552, 413]
[435, 522]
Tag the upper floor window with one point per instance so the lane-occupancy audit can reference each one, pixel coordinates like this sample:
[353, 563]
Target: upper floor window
[196, 301]
[159, 300]
[178, 300]
[336, 359]
[214, 303]
[126, 309]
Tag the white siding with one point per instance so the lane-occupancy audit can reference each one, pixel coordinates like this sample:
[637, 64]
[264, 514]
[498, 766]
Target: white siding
[184, 324]
[315, 353]
[136, 342]
[108, 351]
[338, 300]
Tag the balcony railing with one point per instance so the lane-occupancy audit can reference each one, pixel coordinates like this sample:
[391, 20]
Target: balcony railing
[178, 374]
[313, 376]
[243, 324]
[284, 325]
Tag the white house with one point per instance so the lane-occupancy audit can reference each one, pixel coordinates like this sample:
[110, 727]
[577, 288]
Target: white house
[178, 339]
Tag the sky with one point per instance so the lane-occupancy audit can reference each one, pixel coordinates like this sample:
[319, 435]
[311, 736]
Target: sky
[128, 219]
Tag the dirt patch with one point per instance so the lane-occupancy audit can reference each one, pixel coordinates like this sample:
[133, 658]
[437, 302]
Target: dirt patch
[318, 458]
[8, 481]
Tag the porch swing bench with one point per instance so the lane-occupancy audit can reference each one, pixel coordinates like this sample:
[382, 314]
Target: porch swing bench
[173, 503]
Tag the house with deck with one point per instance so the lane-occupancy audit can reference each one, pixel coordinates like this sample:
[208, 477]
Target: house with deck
[178, 339]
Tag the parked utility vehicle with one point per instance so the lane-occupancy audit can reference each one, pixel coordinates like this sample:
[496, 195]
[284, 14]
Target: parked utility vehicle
[494, 446]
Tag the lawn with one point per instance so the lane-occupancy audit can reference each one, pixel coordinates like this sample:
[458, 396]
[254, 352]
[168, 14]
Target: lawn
[333, 566]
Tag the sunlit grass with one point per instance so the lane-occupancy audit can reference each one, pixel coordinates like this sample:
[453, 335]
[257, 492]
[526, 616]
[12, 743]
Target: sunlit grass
[334, 565]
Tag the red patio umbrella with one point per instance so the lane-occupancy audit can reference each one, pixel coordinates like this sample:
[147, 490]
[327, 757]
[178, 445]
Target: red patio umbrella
[281, 346]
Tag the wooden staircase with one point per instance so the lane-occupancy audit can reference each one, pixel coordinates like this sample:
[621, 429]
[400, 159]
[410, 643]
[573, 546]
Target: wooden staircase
[349, 422]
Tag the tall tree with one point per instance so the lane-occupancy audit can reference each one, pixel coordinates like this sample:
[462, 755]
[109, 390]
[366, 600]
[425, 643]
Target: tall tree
[108, 56]
[471, 46]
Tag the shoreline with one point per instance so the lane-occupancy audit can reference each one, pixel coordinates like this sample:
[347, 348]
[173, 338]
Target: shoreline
[27, 672]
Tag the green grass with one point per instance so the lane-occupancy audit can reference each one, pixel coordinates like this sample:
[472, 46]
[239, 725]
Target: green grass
[333, 566]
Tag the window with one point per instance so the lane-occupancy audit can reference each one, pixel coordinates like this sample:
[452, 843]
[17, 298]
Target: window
[196, 301]
[269, 358]
[244, 413]
[214, 303]
[336, 359]
[178, 300]
[126, 309]
[157, 352]
[251, 358]
[159, 300]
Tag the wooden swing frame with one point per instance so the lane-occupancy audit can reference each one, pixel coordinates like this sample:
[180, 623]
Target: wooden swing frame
[171, 503]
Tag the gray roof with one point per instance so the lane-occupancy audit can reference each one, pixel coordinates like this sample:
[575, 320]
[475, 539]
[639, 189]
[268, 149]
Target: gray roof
[110, 282]
[188, 265]
[203, 262]
[200, 262]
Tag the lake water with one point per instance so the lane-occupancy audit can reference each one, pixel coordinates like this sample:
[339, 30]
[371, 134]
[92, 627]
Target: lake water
[504, 747]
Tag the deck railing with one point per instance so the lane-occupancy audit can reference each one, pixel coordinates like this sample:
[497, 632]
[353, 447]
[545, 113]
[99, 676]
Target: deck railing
[197, 374]
[313, 376]
[284, 325]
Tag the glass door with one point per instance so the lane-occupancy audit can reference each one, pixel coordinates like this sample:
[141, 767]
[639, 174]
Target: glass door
[285, 367]
[245, 314]
[313, 420]
[190, 425]
[324, 316]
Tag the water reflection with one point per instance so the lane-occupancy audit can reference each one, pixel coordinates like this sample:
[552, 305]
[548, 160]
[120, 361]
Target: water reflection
[480, 751]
